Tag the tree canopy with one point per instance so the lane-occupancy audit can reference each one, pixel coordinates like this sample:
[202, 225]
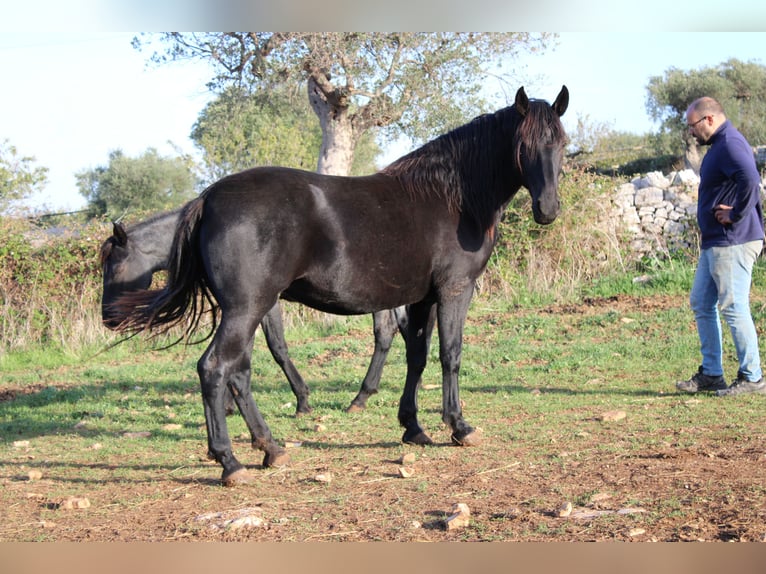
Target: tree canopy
[416, 84]
[19, 176]
[149, 182]
[739, 86]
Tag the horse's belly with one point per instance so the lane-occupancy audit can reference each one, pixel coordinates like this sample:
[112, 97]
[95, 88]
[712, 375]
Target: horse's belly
[354, 294]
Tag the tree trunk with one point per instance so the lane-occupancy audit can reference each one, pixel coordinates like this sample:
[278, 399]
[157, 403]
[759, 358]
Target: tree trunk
[336, 153]
[692, 159]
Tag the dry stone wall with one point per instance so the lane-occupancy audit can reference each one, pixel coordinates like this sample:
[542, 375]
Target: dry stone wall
[657, 214]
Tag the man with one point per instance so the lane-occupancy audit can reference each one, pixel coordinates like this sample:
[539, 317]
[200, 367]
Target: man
[730, 219]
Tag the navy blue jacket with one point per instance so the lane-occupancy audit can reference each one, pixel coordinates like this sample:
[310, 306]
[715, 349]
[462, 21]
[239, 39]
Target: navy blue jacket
[728, 176]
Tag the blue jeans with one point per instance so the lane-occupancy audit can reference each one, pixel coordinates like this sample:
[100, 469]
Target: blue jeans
[723, 280]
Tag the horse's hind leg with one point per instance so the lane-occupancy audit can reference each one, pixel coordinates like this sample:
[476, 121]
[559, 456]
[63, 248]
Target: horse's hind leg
[274, 332]
[226, 363]
[384, 326]
[417, 355]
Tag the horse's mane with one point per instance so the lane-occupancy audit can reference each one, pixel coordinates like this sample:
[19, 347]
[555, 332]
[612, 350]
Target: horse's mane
[466, 166]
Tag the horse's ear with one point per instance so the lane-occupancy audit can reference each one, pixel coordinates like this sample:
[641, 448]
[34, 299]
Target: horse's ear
[118, 230]
[522, 102]
[562, 101]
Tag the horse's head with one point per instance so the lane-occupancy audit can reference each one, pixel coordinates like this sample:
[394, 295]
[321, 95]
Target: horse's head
[124, 269]
[539, 148]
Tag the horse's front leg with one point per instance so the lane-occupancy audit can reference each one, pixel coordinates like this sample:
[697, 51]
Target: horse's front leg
[417, 355]
[226, 363]
[451, 319]
[274, 332]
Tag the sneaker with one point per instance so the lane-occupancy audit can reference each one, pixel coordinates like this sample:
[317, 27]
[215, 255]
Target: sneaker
[702, 382]
[742, 386]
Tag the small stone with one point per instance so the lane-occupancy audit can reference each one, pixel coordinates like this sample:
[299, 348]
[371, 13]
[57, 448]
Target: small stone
[292, 443]
[172, 427]
[634, 532]
[21, 444]
[600, 497]
[408, 458]
[96, 446]
[460, 518]
[431, 387]
[72, 502]
[565, 509]
[34, 475]
[406, 471]
[138, 434]
[81, 425]
[319, 427]
[325, 478]
[244, 522]
[613, 416]
[47, 524]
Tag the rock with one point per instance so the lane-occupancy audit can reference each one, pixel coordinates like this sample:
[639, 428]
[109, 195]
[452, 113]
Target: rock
[34, 475]
[235, 519]
[292, 443]
[634, 532]
[431, 387]
[138, 434]
[72, 502]
[460, 518]
[21, 444]
[325, 478]
[319, 427]
[408, 458]
[564, 510]
[244, 522]
[613, 416]
[172, 427]
[406, 471]
[600, 497]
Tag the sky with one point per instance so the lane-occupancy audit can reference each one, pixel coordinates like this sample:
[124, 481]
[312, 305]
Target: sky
[69, 99]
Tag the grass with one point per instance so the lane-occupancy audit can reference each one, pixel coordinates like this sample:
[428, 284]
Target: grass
[536, 380]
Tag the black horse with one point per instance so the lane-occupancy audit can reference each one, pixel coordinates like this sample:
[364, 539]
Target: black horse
[131, 257]
[419, 232]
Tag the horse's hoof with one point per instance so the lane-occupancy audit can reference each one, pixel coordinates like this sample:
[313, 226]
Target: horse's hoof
[354, 408]
[276, 459]
[303, 411]
[473, 438]
[237, 478]
[420, 439]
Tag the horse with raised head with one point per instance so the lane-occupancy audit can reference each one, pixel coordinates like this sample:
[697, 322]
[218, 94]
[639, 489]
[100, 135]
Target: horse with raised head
[131, 257]
[417, 233]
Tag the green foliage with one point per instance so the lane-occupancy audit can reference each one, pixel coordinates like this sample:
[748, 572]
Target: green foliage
[739, 86]
[149, 182]
[19, 177]
[49, 286]
[237, 131]
[417, 84]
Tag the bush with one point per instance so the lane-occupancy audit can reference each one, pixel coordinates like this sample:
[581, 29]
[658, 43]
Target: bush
[49, 286]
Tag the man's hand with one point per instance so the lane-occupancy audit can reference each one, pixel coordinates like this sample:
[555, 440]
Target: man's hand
[723, 214]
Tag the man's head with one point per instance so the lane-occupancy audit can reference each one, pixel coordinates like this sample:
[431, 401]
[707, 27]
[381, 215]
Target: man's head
[703, 117]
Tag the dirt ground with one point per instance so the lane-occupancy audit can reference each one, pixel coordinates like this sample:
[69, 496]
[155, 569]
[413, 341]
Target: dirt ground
[709, 491]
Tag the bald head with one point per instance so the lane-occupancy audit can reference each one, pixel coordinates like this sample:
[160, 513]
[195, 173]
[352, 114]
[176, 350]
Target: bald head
[704, 116]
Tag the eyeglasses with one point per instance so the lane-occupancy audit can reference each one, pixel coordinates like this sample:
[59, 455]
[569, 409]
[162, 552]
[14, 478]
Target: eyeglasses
[690, 126]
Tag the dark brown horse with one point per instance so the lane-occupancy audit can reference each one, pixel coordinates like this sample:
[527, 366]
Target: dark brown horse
[417, 233]
[131, 257]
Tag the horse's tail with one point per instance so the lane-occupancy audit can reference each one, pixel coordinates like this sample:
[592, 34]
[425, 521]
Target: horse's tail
[186, 294]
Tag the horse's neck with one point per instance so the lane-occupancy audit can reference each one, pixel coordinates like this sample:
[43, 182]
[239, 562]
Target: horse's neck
[155, 239]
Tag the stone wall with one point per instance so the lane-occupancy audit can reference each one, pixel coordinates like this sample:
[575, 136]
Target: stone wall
[657, 213]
